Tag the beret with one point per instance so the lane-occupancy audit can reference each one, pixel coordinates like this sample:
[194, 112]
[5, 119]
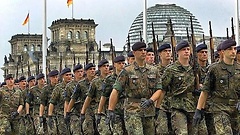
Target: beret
[39, 76]
[16, 81]
[89, 65]
[65, 70]
[201, 47]
[21, 78]
[119, 58]
[30, 78]
[149, 49]
[78, 66]
[130, 54]
[164, 46]
[219, 47]
[53, 73]
[228, 43]
[102, 62]
[8, 76]
[138, 45]
[181, 45]
[238, 49]
[111, 67]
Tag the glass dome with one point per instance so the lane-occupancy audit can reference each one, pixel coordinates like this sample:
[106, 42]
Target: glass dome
[159, 16]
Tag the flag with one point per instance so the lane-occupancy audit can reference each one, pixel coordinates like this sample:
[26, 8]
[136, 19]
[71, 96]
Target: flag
[26, 20]
[69, 2]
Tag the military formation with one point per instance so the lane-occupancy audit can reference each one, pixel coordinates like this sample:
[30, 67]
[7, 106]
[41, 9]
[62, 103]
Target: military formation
[138, 97]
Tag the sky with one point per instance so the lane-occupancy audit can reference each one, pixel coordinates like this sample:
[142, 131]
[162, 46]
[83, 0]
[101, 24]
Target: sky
[114, 17]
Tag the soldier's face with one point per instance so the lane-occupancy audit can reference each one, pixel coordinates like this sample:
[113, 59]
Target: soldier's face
[203, 55]
[54, 79]
[41, 81]
[130, 60]
[22, 84]
[31, 83]
[238, 57]
[119, 65]
[184, 53]
[91, 71]
[140, 54]
[67, 77]
[150, 58]
[166, 54]
[230, 53]
[78, 73]
[104, 69]
[10, 82]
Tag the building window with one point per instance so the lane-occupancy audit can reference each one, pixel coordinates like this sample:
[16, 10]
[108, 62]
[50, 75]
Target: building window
[25, 49]
[38, 47]
[78, 35]
[33, 47]
[69, 35]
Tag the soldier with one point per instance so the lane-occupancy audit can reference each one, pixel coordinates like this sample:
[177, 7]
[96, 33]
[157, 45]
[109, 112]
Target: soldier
[16, 83]
[178, 83]
[222, 82]
[130, 58]
[216, 56]
[76, 102]
[78, 75]
[238, 55]
[219, 50]
[111, 69]
[58, 105]
[11, 105]
[33, 103]
[22, 83]
[141, 85]
[44, 100]
[149, 56]
[162, 116]
[118, 128]
[94, 94]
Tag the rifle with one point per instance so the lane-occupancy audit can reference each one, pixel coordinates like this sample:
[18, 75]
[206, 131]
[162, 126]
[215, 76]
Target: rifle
[128, 45]
[173, 42]
[141, 36]
[203, 39]
[60, 66]
[227, 33]
[100, 51]
[29, 71]
[233, 35]
[188, 38]
[156, 60]
[112, 50]
[211, 43]
[86, 55]
[74, 59]
[17, 72]
[194, 59]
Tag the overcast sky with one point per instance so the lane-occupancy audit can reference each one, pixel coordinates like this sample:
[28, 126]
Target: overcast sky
[114, 17]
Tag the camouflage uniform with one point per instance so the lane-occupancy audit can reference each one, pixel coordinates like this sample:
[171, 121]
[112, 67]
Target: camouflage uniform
[178, 82]
[44, 100]
[118, 127]
[58, 100]
[33, 99]
[9, 102]
[22, 120]
[138, 83]
[79, 95]
[162, 121]
[222, 81]
[95, 92]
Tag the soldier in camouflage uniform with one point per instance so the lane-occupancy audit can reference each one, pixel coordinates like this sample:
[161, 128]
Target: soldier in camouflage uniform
[150, 56]
[238, 55]
[78, 75]
[76, 102]
[118, 127]
[141, 85]
[33, 103]
[178, 83]
[11, 105]
[130, 58]
[44, 100]
[57, 105]
[162, 111]
[94, 94]
[222, 81]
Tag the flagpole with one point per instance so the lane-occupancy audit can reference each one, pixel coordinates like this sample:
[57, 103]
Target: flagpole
[72, 9]
[28, 22]
[44, 38]
[145, 21]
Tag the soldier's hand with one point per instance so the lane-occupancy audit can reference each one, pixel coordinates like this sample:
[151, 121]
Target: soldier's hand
[203, 113]
[98, 118]
[146, 103]
[196, 92]
[110, 117]
[28, 117]
[238, 107]
[67, 118]
[41, 121]
[50, 122]
[82, 118]
[156, 113]
[14, 115]
[197, 117]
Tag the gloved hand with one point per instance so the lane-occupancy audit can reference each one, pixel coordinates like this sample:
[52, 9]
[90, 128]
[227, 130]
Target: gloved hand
[203, 113]
[146, 103]
[197, 117]
[14, 115]
[28, 117]
[98, 118]
[196, 92]
[238, 107]
[156, 113]
[41, 121]
[82, 118]
[110, 117]
[67, 118]
[50, 122]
